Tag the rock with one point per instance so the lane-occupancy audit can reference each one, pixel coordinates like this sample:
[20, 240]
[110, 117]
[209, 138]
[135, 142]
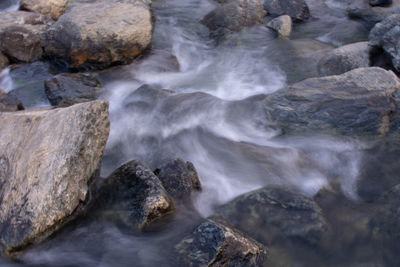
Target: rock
[9, 103]
[296, 9]
[361, 9]
[134, 196]
[344, 58]
[386, 35]
[68, 88]
[47, 160]
[21, 34]
[98, 34]
[3, 61]
[274, 211]
[213, 243]
[281, 24]
[359, 102]
[233, 16]
[51, 8]
[179, 179]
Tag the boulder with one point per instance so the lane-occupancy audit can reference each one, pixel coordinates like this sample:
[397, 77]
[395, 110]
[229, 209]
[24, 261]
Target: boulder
[179, 179]
[68, 88]
[51, 8]
[21, 35]
[344, 58]
[296, 9]
[360, 9]
[233, 16]
[3, 61]
[9, 103]
[359, 102]
[281, 24]
[386, 35]
[98, 34]
[214, 243]
[274, 211]
[47, 160]
[133, 195]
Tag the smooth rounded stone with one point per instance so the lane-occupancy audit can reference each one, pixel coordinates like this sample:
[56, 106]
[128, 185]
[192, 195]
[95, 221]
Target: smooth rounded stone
[47, 160]
[273, 211]
[359, 102]
[214, 243]
[344, 58]
[281, 24]
[233, 16]
[362, 10]
[69, 89]
[132, 195]
[21, 35]
[51, 8]
[296, 9]
[3, 61]
[386, 35]
[9, 103]
[179, 179]
[98, 34]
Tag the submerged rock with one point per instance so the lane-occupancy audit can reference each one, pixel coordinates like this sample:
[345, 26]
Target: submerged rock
[359, 102]
[133, 195]
[47, 160]
[21, 35]
[281, 24]
[51, 8]
[296, 9]
[214, 243]
[9, 103]
[272, 211]
[98, 34]
[68, 89]
[345, 58]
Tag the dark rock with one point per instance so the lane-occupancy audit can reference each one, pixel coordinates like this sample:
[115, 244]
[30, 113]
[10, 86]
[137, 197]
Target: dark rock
[213, 243]
[21, 35]
[72, 88]
[9, 103]
[98, 34]
[47, 161]
[359, 102]
[361, 9]
[296, 9]
[51, 8]
[179, 179]
[233, 16]
[133, 195]
[3, 61]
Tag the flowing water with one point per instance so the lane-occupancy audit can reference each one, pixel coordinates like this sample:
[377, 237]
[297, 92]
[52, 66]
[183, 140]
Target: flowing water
[193, 99]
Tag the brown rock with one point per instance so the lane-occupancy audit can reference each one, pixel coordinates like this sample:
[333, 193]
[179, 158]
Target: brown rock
[9, 103]
[51, 8]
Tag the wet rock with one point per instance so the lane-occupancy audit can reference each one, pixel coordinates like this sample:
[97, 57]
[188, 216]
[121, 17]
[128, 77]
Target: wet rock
[386, 35]
[70, 88]
[281, 24]
[276, 212]
[359, 102]
[133, 195]
[213, 243]
[98, 34]
[9, 103]
[21, 35]
[179, 179]
[3, 61]
[51, 8]
[345, 58]
[362, 10]
[296, 9]
[233, 16]
[47, 160]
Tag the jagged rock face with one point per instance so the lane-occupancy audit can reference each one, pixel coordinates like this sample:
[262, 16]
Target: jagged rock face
[68, 89]
[47, 160]
[21, 35]
[214, 243]
[360, 102]
[51, 8]
[9, 103]
[98, 34]
[296, 9]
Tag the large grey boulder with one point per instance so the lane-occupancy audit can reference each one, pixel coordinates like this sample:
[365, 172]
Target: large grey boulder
[214, 243]
[360, 102]
[9, 103]
[47, 160]
[345, 58]
[21, 35]
[361, 9]
[296, 9]
[386, 35]
[233, 16]
[51, 8]
[97, 34]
